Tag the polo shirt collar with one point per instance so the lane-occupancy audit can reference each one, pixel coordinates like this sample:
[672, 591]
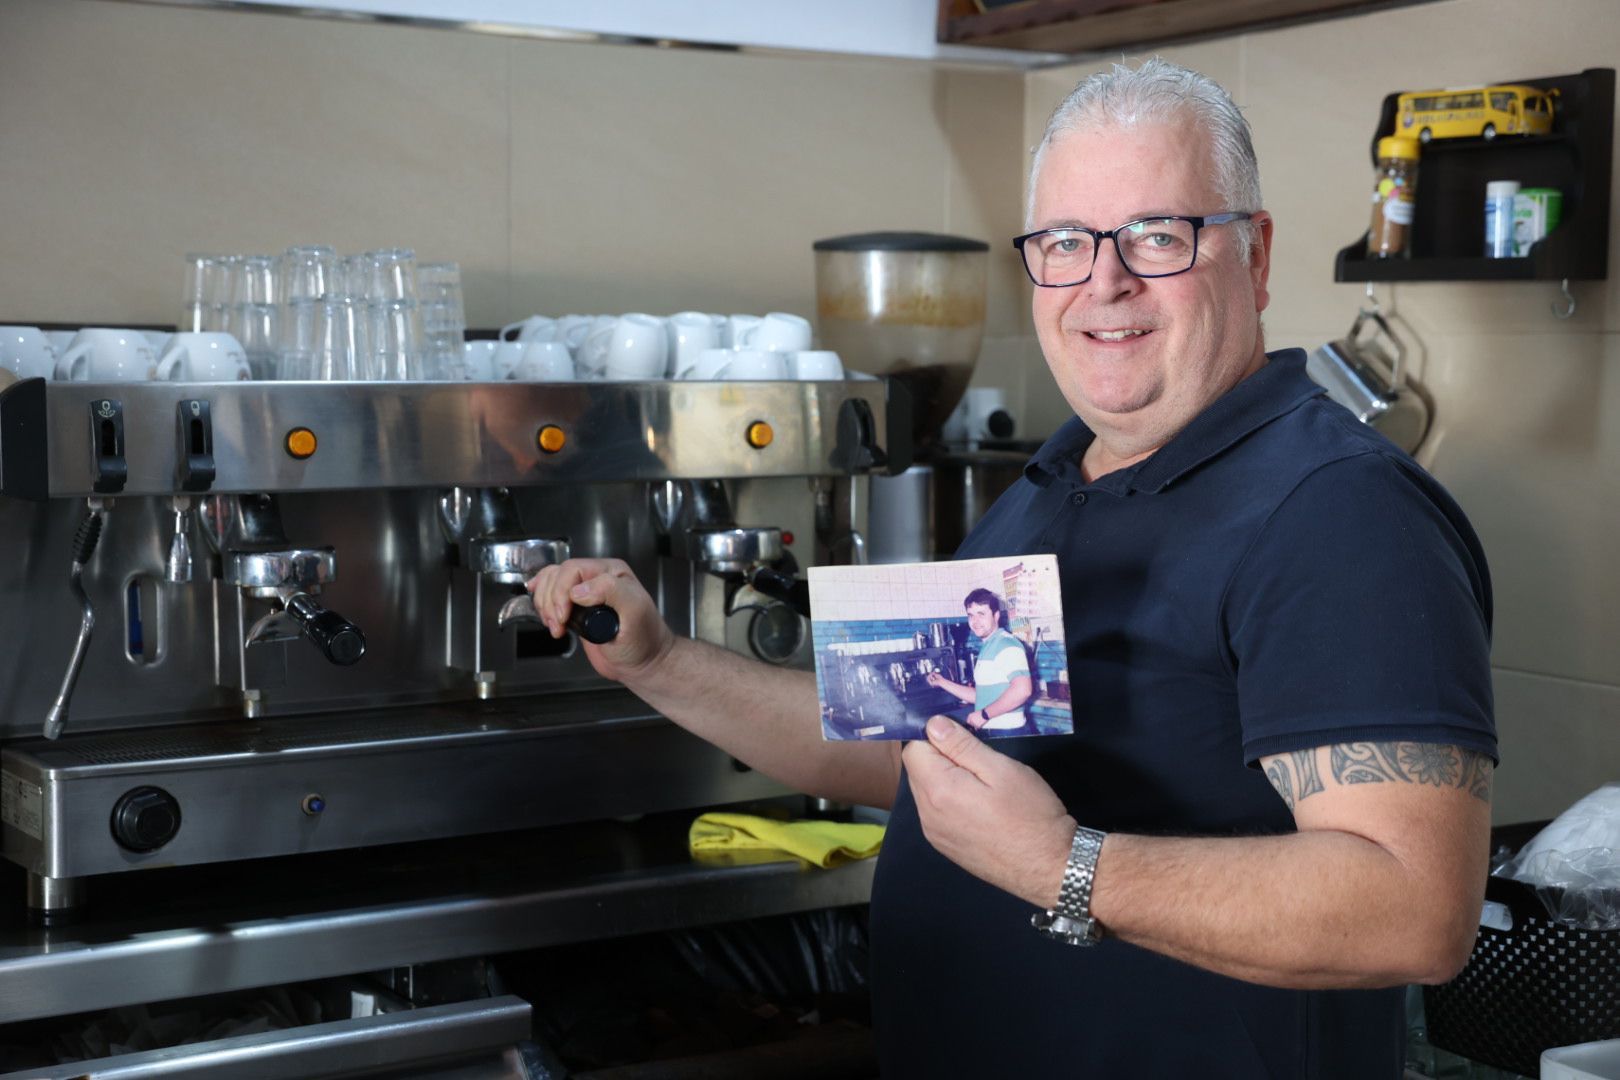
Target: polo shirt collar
[1278, 387]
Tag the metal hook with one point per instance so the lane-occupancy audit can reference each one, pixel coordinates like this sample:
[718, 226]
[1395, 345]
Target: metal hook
[1568, 312]
[1372, 298]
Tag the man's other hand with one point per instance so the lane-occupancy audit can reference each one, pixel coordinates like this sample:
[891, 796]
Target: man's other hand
[992, 816]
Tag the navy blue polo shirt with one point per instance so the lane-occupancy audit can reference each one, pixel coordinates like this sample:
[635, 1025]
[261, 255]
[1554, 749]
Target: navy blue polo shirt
[1276, 577]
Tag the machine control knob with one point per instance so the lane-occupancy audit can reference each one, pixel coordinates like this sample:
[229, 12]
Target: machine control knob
[145, 818]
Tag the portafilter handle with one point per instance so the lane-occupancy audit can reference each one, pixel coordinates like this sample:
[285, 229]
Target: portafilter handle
[339, 640]
[597, 623]
[791, 590]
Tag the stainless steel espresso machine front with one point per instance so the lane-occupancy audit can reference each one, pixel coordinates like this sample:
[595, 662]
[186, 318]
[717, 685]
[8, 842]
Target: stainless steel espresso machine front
[210, 701]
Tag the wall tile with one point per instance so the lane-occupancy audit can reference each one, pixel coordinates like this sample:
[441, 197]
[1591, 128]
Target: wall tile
[658, 181]
[134, 134]
[1526, 438]
[983, 120]
[1559, 739]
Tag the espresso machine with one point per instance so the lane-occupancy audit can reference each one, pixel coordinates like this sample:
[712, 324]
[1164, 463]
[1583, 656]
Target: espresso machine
[265, 619]
[911, 307]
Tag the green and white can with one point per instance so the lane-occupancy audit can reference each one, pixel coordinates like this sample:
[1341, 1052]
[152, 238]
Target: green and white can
[1536, 212]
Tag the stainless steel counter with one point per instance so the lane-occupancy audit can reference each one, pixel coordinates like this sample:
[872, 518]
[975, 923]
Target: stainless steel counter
[202, 930]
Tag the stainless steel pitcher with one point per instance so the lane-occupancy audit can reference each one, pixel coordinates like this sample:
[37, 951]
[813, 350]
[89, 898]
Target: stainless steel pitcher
[1368, 377]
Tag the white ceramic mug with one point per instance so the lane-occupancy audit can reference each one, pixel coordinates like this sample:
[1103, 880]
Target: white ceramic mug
[571, 330]
[690, 332]
[534, 328]
[590, 357]
[739, 364]
[638, 348]
[26, 352]
[204, 357]
[816, 365]
[755, 364]
[506, 359]
[739, 331]
[781, 331]
[708, 365]
[478, 360]
[545, 361]
[103, 354]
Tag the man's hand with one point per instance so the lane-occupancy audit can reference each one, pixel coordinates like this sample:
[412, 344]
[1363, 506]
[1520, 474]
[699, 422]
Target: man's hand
[976, 720]
[935, 679]
[992, 816]
[643, 639]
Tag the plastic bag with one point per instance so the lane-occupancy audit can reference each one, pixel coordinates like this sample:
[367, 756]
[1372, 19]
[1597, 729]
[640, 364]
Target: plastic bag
[1574, 863]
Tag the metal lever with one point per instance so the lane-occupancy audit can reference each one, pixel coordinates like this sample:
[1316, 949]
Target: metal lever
[84, 546]
[338, 639]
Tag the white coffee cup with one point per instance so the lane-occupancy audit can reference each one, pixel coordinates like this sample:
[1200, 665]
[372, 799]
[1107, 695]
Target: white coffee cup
[690, 332]
[506, 359]
[781, 331]
[26, 352]
[103, 354]
[756, 364]
[638, 348]
[707, 365]
[739, 364]
[740, 331]
[478, 360]
[590, 356]
[816, 365]
[571, 330]
[204, 357]
[545, 361]
[534, 328]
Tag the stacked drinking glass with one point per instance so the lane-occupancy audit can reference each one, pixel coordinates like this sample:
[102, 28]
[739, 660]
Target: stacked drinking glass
[311, 314]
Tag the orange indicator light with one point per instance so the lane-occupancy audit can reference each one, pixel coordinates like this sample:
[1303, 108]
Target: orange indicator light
[551, 438]
[301, 442]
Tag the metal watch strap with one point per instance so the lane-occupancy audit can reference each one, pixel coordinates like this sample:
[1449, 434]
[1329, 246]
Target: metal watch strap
[1070, 921]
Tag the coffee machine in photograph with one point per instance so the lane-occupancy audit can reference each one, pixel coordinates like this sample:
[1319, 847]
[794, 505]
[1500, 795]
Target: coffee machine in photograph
[911, 306]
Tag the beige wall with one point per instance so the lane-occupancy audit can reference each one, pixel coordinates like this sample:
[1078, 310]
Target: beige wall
[563, 177]
[602, 178]
[1527, 429]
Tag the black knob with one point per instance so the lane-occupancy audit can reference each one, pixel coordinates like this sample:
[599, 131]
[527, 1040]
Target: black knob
[339, 639]
[145, 818]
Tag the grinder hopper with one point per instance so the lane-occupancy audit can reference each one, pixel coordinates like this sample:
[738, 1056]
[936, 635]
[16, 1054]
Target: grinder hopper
[907, 305]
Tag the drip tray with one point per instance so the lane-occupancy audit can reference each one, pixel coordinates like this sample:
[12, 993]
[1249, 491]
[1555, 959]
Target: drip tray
[204, 793]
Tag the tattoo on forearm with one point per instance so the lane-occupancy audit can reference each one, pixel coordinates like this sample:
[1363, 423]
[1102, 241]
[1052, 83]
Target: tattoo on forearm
[1295, 775]
[1281, 779]
[1310, 781]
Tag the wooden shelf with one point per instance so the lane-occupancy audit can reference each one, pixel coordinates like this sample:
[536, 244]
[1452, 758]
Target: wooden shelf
[1073, 26]
[1448, 225]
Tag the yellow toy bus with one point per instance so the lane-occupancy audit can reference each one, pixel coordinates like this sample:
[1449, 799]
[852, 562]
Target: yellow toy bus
[1486, 111]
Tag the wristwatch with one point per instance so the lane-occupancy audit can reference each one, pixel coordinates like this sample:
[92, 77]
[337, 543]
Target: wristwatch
[1071, 922]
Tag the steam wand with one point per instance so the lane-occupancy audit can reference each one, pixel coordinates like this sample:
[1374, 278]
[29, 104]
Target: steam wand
[84, 546]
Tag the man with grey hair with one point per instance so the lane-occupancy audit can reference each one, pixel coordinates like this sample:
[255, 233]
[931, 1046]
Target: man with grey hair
[1274, 809]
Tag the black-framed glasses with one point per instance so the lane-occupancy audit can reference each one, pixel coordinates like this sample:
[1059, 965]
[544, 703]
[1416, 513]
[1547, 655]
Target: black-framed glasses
[1148, 247]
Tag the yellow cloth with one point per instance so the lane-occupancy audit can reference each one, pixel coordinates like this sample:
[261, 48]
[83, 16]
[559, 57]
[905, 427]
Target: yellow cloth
[825, 843]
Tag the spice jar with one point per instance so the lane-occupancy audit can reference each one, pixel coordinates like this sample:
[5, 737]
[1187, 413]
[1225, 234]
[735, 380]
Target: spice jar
[1393, 198]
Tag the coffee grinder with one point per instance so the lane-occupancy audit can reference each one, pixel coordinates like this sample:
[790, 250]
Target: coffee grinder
[911, 306]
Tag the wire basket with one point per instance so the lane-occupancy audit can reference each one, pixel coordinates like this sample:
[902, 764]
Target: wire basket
[1528, 989]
